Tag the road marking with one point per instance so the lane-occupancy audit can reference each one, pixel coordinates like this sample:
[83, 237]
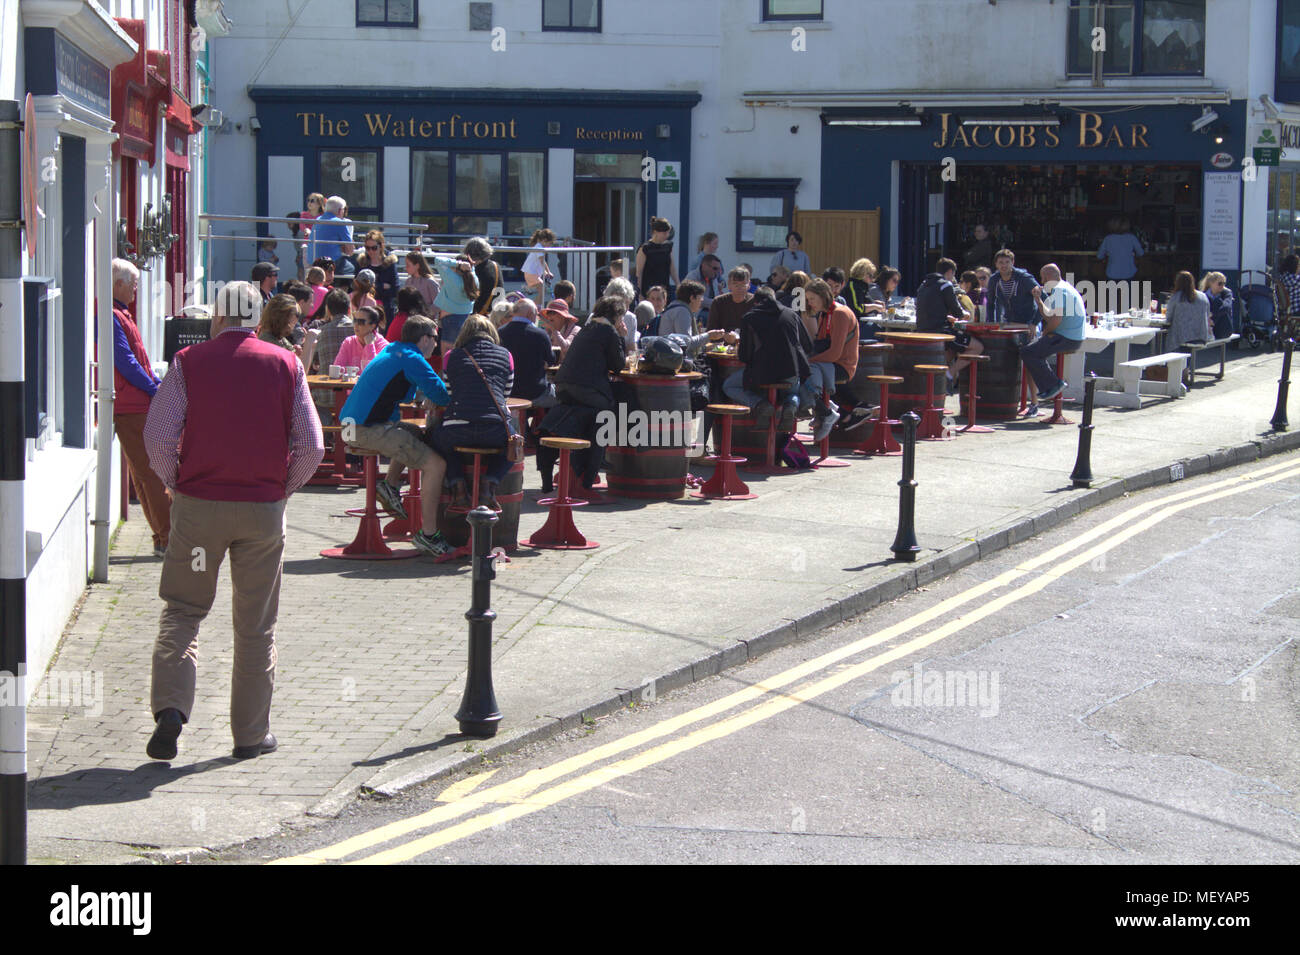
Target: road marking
[466, 786]
[516, 793]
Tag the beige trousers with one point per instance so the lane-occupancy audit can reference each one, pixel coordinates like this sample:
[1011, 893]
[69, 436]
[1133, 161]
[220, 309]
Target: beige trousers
[202, 532]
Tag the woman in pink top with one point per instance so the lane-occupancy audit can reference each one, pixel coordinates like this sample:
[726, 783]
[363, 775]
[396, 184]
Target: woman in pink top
[360, 348]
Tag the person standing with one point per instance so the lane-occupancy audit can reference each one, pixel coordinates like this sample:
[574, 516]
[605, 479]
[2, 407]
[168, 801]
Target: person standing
[134, 385]
[537, 271]
[1064, 315]
[1010, 292]
[937, 307]
[707, 245]
[792, 258]
[981, 253]
[330, 238]
[375, 257]
[486, 272]
[232, 433]
[1120, 250]
[655, 264]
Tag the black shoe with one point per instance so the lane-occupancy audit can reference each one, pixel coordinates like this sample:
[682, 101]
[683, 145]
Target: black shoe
[268, 745]
[762, 413]
[460, 496]
[789, 408]
[487, 497]
[162, 745]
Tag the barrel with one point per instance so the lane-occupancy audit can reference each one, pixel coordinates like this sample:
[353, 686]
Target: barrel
[748, 440]
[510, 495]
[912, 349]
[999, 377]
[871, 361]
[645, 445]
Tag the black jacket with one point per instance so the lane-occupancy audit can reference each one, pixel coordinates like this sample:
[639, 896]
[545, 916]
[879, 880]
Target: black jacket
[470, 399]
[489, 279]
[774, 345]
[596, 353]
[936, 303]
[531, 348]
[385, 280]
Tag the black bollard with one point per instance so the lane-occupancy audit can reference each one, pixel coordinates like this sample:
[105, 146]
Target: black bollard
[1082, 475]
[905, 541]
[478, 714]
[1283, 386]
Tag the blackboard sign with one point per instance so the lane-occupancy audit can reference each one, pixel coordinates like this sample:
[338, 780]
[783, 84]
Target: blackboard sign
[181, 333]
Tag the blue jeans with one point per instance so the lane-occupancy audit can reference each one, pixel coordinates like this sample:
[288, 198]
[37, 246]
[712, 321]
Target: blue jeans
[734, 388]
[821, 379]
[1035, 356]
[450, 328]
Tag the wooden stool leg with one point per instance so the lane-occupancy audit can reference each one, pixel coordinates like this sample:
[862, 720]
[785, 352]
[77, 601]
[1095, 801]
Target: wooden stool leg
[369, 542]
[559, 532]
[1058, 415]
[725, 483]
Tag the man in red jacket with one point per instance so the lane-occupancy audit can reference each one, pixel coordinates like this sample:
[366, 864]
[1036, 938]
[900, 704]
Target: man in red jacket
[233, 433]
[134, 386]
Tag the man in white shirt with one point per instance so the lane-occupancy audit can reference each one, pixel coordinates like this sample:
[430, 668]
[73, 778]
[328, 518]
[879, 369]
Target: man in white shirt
[1064, 317]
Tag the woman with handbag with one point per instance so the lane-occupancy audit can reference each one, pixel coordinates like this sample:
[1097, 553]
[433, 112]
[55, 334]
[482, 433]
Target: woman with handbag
[480, 374]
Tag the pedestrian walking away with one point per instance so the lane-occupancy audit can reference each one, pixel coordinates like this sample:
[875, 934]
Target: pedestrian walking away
[232, 433]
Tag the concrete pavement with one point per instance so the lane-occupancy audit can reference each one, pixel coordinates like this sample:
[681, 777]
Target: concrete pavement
[372, 654]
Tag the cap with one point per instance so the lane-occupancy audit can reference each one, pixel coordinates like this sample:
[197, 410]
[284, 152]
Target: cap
[263, 270]
[366, 276]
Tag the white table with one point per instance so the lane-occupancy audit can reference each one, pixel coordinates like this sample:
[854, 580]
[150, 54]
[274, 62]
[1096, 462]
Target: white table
[1098, 340]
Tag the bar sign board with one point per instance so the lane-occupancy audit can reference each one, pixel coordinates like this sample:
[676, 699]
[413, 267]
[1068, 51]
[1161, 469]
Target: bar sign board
[1221, 221]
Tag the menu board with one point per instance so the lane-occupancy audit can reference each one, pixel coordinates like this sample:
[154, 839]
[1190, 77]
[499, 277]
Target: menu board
[1221, 221]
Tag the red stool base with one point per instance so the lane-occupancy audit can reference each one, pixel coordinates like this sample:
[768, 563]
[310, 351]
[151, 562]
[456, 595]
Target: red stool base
[369, 542]
[341, 553]
[559, 532]
[974, 429]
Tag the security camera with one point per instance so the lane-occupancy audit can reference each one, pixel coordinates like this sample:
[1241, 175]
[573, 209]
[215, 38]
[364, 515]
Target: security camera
[1207, 117]
[255, 124]
[1270, 108]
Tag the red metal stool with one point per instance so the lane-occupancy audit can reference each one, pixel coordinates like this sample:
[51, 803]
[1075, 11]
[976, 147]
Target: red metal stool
[1024, 390]
[369, 542]
[476, 472]
[973, 397]
[882, 441]
[769, 465]
[1058, 415]
[559, 532]
[824, 446]
[335, 470]
[726, 483]
[931, 428]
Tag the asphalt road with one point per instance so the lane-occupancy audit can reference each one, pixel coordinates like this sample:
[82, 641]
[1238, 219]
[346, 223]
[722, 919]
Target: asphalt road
[1122, 690]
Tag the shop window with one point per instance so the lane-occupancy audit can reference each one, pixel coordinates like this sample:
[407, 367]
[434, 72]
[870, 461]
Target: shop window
[465, 193]
[1287, 78]
[388, 13]
[571, 15]
[38, 324]
[764, 213]
[1283, 215]
[792, 10]
[354, 175]
[1137, 37]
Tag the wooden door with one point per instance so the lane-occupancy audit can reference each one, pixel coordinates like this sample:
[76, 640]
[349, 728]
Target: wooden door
[838, 236]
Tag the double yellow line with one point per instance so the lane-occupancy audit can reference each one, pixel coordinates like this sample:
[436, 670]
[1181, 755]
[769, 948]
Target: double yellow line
[520, 797]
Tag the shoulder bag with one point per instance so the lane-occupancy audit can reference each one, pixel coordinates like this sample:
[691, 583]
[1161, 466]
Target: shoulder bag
[514, 442]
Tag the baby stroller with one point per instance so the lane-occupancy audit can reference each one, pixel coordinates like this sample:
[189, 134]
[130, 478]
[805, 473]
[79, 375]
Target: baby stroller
[1259, 308]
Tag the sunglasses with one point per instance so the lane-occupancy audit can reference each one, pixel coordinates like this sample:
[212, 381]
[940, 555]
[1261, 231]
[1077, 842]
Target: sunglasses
[371, 248]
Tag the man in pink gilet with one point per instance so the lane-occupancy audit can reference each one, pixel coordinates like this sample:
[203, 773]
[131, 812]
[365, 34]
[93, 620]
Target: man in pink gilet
[232, 432]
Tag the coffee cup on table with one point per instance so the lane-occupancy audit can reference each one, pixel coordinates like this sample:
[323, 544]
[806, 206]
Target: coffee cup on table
[336, 371]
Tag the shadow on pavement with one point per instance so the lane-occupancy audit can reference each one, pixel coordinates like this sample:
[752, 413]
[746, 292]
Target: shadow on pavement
[103, 786]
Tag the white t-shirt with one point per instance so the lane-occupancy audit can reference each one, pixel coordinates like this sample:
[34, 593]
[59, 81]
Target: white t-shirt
[1065, 300]
[535, 264]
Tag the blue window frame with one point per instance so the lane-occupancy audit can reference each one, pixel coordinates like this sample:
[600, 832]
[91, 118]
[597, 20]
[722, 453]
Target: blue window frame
[1286, 87]
[572, 16]
[1141, 37]
[792, 10]
[388, 13]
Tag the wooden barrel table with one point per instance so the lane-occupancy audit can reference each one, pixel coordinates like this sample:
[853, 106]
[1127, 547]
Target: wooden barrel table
[748, 440]
[653, 424]
[911, 349]
[999, 377]
[871, 361]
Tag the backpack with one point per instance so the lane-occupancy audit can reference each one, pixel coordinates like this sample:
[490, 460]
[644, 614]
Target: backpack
[794, 456]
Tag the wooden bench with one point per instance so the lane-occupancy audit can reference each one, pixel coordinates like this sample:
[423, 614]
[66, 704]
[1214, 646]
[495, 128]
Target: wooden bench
[1129, 376]
[1219, 343]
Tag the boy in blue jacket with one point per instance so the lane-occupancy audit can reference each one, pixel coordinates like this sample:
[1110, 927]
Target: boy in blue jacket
[1011, 292]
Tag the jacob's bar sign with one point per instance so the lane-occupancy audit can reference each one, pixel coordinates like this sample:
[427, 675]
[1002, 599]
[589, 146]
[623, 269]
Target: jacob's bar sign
[1092, 132]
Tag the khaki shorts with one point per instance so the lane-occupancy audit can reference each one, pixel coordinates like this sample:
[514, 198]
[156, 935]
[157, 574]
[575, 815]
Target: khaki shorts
[400, 441]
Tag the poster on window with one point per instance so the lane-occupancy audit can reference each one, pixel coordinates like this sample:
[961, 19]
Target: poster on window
[1221, 221]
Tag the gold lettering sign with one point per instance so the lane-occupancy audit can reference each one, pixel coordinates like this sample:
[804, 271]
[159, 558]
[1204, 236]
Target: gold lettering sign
[1092, 133]
[609, 135]
[394, 126]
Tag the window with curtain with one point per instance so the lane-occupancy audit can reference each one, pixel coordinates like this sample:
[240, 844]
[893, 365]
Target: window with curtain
[571, 15]
[792, 9]
[354, 175]
[1140, 37]
[477, 193]
[388, 13]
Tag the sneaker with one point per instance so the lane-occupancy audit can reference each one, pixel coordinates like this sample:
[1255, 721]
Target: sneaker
[789, 409]
[434, 545]
[1052, 392]
[1032, 410]
[858, 417]
[390, 498]
[824, 426]
[160, 552]
[762, 413]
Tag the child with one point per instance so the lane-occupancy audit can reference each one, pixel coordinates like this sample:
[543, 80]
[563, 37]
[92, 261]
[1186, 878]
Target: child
[266, 252]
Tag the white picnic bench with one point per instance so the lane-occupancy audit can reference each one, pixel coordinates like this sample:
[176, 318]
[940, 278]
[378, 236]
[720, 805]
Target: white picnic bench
[1128, 375]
